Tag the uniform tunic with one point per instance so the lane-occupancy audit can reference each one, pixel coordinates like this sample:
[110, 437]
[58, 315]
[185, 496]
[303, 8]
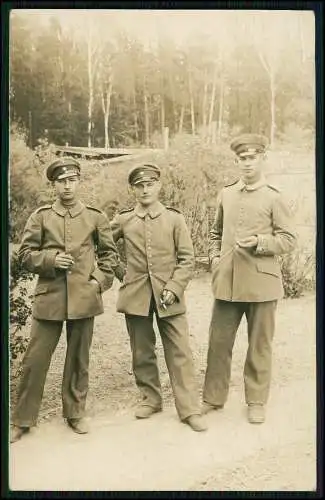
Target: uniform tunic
[83, 232]
[159, 255]
[249, 275]
[60, 296]
[245, 282]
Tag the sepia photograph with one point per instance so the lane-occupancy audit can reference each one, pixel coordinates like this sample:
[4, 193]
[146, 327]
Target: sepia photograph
[162, 250]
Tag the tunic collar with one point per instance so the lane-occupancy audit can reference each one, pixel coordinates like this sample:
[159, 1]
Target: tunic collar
[62, 210]
[154, 211]
[251, 187]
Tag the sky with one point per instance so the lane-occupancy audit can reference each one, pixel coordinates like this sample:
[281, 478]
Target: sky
[180, 25]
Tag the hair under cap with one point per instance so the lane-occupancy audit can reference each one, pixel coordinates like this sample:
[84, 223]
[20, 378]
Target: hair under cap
[146, 172]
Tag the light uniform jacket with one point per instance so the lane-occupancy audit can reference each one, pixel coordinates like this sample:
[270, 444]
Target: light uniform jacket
[159, 254]
[83, 232]
[249, 275]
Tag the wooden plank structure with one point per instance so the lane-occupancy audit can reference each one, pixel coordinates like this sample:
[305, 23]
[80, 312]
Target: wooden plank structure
[111, 154]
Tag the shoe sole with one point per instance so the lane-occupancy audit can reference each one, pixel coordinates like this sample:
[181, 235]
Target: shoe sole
[76, 430]
[23, 431]
[213, 408]
[196, 429]
[256, 421]
[139, 417]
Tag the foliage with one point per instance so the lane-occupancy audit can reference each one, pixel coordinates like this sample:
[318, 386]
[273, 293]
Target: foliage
[192, 174]
[20, 310]
[298, 272]
[192, 177]
[28, 184]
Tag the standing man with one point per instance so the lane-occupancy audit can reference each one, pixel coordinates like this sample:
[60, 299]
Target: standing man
[71, 248]
[160, 262]
[251, 227]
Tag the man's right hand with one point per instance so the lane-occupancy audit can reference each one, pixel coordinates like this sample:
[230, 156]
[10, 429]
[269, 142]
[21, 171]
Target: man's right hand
[63, 260]
[215, 261]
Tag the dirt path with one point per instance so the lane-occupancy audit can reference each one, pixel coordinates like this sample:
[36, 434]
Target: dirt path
[160, 454]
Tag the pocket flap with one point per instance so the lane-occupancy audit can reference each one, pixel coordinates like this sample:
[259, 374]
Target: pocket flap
[269, 268]
[41, 289]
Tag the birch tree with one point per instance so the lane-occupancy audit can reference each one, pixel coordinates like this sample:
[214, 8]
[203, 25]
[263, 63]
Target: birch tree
[268, 37]
[92, 62]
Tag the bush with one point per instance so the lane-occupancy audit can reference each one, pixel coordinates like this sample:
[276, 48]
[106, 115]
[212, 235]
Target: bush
[192, 175]
[28, 183]
[20, 311]
[298, 272]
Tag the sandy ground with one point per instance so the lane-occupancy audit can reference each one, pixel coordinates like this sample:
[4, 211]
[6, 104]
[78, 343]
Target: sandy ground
[161, 454]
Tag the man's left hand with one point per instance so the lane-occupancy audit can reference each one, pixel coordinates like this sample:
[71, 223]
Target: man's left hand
[249, 242]
[94, 282]
[168, 297]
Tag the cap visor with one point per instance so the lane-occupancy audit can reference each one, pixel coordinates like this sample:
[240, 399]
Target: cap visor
[244, 154]
[144, 179]
[66, 175]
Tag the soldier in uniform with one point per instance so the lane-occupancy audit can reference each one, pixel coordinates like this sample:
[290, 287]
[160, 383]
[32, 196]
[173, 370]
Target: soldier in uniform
[251, 228]
[160, 262]
[71, 248]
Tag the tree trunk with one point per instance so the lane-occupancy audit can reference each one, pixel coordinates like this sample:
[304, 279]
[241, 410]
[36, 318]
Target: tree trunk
[90, 86]
[270, 69]
[191, 102]
[181, 120]
[69, 121]
[272, 106]
[172, 89]
[213, 132]
[213, 97]
[146, 114]
[106, 104]
[204, 103]
[166, 138]
[302, 38]
[135, 117]
[30, 129]
[162, 114]
[220, 117]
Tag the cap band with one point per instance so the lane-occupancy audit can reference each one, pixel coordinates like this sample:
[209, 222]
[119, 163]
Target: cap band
[144, 173]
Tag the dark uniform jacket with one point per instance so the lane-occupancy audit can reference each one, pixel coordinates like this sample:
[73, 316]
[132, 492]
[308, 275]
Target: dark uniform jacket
[159, 254]
[249, 275]
[82, 231]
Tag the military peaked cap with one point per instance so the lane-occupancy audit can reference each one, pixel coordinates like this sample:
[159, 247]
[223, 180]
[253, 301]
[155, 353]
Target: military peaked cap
[146, 172]
[249, 144]
[62, 168]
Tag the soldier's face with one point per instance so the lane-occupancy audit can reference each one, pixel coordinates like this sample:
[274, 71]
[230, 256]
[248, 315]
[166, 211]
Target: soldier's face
[67, 189]
[147, 192]
[251, 167]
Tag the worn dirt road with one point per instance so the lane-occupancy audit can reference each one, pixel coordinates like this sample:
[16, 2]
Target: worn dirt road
[161, 454]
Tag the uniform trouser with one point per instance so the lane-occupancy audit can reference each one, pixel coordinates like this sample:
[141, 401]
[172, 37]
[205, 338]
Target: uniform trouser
[45, 336]
[226, 317]
[178, 355]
